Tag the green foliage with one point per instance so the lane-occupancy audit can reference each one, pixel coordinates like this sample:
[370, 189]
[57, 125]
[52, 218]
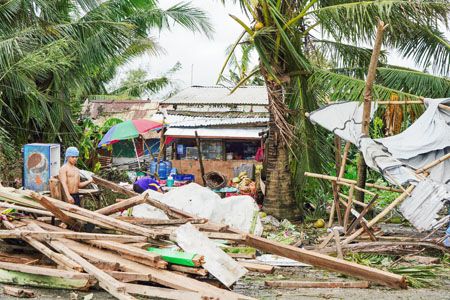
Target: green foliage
[90, 137]
[312, 70]
[55, 53]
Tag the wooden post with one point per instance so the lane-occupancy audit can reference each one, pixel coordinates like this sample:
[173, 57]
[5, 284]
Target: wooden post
[161, 144]
[361, 215]
[137, 156]
[337, 207]
[200, 160]
[349, 207]
[371, 74]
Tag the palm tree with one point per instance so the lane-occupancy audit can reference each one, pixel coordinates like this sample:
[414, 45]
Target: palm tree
[53, 52]
[311, 51]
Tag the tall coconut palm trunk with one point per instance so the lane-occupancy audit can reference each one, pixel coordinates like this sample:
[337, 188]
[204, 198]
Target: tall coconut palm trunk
[279, 200]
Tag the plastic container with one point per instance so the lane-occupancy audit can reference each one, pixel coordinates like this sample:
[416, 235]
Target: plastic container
[173, 171]
[170, 181]
[184, 177]
[169, 166]
[163, 171]
[153, 165]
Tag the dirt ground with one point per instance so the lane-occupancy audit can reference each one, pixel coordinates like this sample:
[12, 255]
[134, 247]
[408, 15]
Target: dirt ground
[253, 285]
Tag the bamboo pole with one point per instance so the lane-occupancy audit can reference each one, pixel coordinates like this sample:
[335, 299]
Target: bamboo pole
[378, 217]
[371, 74]
[361, 215]
[335, 186]
[432, 164]
[200, 159]
[342, 181]
[137, 156]
[349, 206]
[350, 181]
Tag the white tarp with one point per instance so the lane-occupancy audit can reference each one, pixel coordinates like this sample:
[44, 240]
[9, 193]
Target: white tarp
[397, 157]
[240, 212]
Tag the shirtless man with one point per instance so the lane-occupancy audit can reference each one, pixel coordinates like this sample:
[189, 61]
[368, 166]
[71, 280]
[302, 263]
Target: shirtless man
[69, 176]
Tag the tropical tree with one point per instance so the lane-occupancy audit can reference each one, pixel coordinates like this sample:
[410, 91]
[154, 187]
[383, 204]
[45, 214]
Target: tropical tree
[138, 85]
[54, 51]
[312, 51]
[240, 66]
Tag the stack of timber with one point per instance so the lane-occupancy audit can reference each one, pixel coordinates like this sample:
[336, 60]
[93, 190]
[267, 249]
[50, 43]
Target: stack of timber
[128, 256]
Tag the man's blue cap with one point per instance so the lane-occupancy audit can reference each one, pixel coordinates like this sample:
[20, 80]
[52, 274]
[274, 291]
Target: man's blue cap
[71, 151]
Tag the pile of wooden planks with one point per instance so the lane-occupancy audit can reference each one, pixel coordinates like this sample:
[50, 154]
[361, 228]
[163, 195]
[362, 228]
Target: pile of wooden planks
[114, 255]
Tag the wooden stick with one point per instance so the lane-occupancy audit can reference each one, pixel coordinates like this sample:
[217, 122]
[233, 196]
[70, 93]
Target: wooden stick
[350, 181]
[163, 293]
[129, 276]
[368, 231]
[362, 214]
[337, 240]
[112, 186]
[353, 200]
[123, 205]
[200, 159]
[433, 163]
[327, 262]
[326, 240]
[145, 221]
[317, 284]
[47, 235]
[349, 207]
[59, 259]
[377, 218]
[26, 209]
[335, 187]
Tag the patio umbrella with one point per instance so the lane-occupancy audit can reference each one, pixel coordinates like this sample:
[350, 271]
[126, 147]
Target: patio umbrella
[130, 129]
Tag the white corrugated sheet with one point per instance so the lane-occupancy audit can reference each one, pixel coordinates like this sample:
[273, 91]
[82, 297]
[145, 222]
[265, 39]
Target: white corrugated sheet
[254, 95]
[189, 121]
[238, 133]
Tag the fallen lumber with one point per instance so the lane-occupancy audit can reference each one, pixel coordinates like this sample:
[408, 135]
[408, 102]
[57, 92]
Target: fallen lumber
[145, 221]
[178, 257]
[217, 262]
[106, 281]
[327, 262]
[165, 293]
[74, 224]
[261, 268]
[188, 270]
[94, 217]
[48, 235]
[59, 259]
[317, 284]
[163, 277]
[381, 215]
[129, 276]
[20, 274]
[224, 236]
[123, 205]
[112, 186]
[155, 259]
[382, 246]
[361, 215]
[26, 209]
[17, 292]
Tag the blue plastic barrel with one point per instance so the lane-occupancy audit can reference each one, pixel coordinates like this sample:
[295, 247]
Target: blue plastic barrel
[163, 170]
[153, 165]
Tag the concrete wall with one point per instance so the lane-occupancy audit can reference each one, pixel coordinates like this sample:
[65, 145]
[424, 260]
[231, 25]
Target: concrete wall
[224, 167]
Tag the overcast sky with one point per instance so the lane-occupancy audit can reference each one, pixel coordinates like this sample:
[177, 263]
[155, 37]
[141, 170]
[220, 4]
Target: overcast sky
[203, 56]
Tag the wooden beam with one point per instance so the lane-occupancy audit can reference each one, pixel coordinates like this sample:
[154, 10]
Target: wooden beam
[254, 267]
[200, 159]
[337, 240]
[188, 270]
[129, 276]
[123, 205]
[26, 209]
[317, 284]
[327, 262]
[112, 186]
[106, 281]
[163, 293]
[349, 206]
[59, 259]
[74, 224]
[18, 292]
[145, 221]
[47, 235]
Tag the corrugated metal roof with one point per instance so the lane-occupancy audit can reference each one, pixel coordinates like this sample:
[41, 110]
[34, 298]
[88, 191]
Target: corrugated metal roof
[100, 111]
[189, 121]
[239, 133]
[252, 95]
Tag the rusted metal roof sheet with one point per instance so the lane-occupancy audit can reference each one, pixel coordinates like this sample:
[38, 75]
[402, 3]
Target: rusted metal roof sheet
[218, 95]
[100, 111]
